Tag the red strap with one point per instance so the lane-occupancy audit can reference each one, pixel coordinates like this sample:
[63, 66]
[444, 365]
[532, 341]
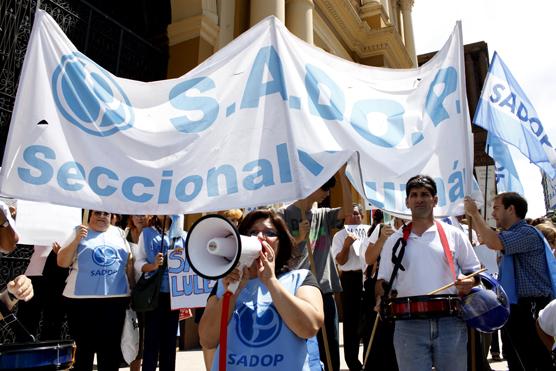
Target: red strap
[446, 247]
[224, 332]
[406, 231]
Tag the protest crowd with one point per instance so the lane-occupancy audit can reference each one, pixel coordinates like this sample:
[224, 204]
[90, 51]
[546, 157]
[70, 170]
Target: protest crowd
[381, 227]
[349, 269]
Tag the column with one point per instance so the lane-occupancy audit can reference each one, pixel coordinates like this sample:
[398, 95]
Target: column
[299, 18]
[226, 18]
[405, 7]
[261, 9]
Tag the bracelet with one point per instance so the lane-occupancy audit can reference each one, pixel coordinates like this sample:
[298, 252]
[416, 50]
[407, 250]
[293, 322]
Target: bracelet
[12, 296]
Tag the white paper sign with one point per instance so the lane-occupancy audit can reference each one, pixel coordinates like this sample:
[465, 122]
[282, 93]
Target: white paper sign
[188, 290]
[40, 223]
[360, 230]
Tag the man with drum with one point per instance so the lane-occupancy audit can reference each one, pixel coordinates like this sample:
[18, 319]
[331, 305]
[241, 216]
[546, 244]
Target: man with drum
[428, 330]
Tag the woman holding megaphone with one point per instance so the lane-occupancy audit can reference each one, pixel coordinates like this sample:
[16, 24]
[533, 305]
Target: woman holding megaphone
[275, 313]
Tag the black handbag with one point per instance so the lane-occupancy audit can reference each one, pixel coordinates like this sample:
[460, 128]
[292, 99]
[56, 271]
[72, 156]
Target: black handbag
[144, 296]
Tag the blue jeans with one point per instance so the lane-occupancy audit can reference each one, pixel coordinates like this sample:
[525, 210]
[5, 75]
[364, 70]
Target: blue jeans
[423, 343]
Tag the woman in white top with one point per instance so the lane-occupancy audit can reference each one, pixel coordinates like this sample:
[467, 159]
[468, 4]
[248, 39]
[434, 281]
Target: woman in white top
[97, 291]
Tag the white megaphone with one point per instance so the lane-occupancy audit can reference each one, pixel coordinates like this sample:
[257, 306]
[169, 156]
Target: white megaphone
[214, 248]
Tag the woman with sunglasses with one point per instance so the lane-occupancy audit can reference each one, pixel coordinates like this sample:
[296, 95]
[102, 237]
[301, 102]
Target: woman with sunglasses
[164, 232]
[275, 312]
[97, 290]
[135, 225]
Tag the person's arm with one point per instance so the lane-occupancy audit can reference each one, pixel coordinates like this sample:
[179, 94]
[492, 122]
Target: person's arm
[209, 326]
[347, 198]
[67, 253]
[8, 235]
[546, 339]
[343, 254]
[467, 261]
[141, 260]
[374, 249]
[488, 237]
[20, 288]
[303, 312]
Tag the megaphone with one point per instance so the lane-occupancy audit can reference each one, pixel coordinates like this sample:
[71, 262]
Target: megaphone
[214, 248]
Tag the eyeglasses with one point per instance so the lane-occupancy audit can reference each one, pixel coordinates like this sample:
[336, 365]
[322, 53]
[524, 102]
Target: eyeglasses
[101, 213]
[266, 233]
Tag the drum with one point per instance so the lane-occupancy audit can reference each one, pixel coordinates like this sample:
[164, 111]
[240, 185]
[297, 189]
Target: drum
[43, 355]
[421, 307]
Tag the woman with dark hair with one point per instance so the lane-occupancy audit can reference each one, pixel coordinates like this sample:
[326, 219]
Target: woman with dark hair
[275, 312]
[161, 324]
[97, 290]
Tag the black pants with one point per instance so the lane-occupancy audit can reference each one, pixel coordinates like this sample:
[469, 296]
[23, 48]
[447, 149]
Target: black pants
[523, 347]
[161, 328]
[331, 324]
[352, 284]
[382, 355]
[96, 326]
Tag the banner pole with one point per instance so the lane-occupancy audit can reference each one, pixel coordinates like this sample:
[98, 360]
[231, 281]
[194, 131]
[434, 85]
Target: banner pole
[314, 271]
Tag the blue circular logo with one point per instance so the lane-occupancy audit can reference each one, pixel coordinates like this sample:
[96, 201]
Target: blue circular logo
[255, 330]
[88, 97]
[104, 255]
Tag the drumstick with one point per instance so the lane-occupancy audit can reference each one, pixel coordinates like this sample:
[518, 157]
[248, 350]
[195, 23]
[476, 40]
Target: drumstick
[453, 283]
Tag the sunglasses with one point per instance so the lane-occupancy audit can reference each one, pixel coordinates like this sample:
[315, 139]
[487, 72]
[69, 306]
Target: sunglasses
[265, 233]
[101, 213]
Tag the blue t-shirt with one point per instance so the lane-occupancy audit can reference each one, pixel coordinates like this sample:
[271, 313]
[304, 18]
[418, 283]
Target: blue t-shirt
[99, 266]
[258, 338]
[152, 242]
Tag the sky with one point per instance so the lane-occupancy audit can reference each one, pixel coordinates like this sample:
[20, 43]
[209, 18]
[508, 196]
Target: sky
[521, 32]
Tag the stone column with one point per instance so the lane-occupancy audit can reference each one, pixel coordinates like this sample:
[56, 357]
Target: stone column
[261, 9]
[405, 7]
[299, 18]
[226, 18]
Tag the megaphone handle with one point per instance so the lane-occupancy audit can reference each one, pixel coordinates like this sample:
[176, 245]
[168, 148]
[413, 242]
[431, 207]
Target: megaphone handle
[232, 287]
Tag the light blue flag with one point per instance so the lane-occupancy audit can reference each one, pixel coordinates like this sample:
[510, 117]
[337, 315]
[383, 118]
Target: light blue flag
[507, 179]
[505, 112]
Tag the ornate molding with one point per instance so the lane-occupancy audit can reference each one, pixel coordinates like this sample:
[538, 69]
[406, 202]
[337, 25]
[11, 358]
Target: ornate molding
[192, 27]
[373, 9]
[358, 37]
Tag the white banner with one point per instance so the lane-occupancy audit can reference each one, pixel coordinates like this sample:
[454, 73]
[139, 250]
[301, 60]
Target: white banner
[268, 118]
[188, 290]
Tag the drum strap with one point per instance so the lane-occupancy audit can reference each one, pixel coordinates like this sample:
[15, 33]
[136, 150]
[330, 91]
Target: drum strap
[446, 248]
[401, 244]
[397, 257]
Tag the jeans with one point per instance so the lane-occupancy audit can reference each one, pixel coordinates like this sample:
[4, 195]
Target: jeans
[423, 343]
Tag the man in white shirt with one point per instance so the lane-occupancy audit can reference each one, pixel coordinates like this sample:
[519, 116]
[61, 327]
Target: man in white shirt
[429, 264]
[345, 250]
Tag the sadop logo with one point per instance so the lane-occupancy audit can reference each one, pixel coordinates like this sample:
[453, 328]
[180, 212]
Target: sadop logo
[258, 331]
[88, 97]
[104, 255]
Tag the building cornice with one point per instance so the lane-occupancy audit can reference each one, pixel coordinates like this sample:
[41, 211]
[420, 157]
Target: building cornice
[360, 39]
[189, 28]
